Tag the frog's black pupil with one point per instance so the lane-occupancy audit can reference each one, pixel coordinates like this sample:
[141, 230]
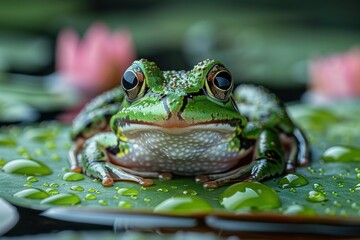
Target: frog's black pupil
[223, 80]
[129, 80]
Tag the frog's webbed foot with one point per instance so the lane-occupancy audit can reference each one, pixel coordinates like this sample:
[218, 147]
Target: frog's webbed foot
[268, 161]
[109, 172]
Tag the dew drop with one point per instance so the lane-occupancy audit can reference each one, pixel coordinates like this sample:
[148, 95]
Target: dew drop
[311, 170]
[190, 192]
[334, 193]
[62, 199]
[358, 175]
[103, 202]
[39, 135]
[315, 196]
[340, 184]
[147, 199]
[341, 154]
[318, 187]
[26, 166]
[357, 170]
[22, 150]
[337, 203]
[55, 157]
[77, 188]
[343, 213]
[143, 188]
[7, 141]
[298, 209]
[355, 206]
[127, 192]
[293, 190]
[162, 190]
[124, 204]
[292, 180]
[52, 191]
[330, 211]
[39, 152]
[32, 179]
[27, 184]
[183, 204]
[32, 193]
[357, 187]
[73, 176]
[134, 197]
[54, 185]
[45, 184]
[245, 195]
[174, 187]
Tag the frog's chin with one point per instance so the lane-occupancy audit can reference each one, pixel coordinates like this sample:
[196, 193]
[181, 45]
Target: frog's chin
[132, 128]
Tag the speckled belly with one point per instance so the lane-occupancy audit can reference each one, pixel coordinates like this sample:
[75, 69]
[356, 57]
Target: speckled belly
[194, 152]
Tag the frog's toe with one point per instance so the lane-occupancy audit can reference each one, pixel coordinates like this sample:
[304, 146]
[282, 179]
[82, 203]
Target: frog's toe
[119, 174]
[201, 179]
[77, 169]
[99, 170]
[107, 182]
[165, 176]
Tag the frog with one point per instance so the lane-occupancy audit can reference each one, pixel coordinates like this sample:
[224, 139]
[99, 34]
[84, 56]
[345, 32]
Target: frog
[156, 124]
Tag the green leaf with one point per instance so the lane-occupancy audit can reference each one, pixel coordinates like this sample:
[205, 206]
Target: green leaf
[336, 180]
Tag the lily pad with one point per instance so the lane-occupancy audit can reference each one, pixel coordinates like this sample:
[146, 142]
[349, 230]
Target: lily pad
[337, 181]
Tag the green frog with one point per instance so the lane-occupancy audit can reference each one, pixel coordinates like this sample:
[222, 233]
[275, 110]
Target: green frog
[190, 123]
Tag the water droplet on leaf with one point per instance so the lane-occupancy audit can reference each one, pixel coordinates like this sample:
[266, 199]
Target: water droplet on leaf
[32, 193]
[315, 196]
[249, 195]
[124, 204]
[62, 199]
[127, 192]
[77, 188]
[190, 192]
[26, 166]
[73, 176]
[32, 179]
[297, 209]
[292, 180]
[90, 196]
[341, 154]
[183, 204]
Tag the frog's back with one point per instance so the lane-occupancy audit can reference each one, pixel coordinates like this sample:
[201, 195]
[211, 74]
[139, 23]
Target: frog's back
[262, 107]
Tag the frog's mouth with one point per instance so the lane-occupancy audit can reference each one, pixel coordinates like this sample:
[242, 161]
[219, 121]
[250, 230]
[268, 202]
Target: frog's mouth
[178, 127]
[216, 127]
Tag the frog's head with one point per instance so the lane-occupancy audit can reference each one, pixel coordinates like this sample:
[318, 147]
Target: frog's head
[176, 102]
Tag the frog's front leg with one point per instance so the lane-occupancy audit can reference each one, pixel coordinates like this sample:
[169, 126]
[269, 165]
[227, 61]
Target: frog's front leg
[96, 156]
[268, 160]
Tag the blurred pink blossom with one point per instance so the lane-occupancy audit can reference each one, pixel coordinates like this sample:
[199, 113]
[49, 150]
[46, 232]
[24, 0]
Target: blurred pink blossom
[336, 76]
[95, 63]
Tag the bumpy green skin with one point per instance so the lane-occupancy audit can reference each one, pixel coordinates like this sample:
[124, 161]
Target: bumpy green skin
[181, 99]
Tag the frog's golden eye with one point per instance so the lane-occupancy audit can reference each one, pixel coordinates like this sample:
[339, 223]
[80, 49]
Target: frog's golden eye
[132, 82]
[219, 82]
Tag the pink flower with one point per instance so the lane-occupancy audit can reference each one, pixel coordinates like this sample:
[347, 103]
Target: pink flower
[336, 76]
[95, 63]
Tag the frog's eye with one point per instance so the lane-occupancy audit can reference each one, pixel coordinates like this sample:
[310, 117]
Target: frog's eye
[219, 82]
[132, 82]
